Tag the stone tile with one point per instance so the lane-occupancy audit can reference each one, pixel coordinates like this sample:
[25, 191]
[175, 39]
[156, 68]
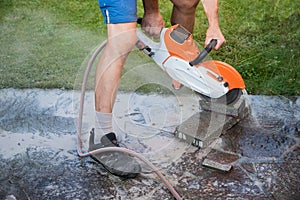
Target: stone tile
[220, 160]
[204, 127]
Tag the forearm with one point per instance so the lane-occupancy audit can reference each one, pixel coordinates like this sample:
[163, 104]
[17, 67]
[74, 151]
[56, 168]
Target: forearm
[152, 21]
[213, 31]
[151, 6]
[211, 11]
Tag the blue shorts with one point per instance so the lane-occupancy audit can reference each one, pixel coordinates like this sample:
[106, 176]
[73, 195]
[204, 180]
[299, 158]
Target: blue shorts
[118, 11]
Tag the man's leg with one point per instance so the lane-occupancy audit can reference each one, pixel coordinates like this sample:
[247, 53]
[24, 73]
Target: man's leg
[184, 12]
[121, 39]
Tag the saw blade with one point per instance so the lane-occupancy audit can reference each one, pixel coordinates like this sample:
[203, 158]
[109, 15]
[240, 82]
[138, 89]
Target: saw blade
[230, 97]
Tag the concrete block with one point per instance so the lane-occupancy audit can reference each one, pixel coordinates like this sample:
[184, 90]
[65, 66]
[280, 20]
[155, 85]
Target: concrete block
[214, 120]
[235, 109]
[204, 127]
[220, 160]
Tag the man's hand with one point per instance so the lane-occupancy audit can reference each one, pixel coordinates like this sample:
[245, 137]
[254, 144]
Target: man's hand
[214, 32]
[153, 23]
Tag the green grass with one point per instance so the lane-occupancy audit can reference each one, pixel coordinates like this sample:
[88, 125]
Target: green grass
[43, 44]
[46, 43]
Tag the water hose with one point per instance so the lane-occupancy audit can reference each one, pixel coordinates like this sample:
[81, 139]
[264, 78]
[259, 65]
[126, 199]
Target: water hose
[110, 149]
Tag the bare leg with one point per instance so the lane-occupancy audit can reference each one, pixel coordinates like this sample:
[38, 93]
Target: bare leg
[121, 40]
[184, 12]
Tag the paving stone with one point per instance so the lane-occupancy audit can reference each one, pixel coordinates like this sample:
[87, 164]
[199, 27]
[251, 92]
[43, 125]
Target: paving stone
[206, 126]
[235, 109]
[220, 160]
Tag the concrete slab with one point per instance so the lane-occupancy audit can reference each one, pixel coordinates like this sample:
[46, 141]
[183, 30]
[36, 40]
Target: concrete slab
[235, 109]
[214, 120]
[221, 160]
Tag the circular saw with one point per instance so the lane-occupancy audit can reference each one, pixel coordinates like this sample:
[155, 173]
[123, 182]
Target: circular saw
[178, 55]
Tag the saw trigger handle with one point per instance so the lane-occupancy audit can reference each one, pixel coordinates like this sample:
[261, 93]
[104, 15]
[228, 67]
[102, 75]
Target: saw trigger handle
[142, 47]
[204, 53]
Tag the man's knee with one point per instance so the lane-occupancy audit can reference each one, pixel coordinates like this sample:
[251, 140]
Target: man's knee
[185, 4]
[122, 38]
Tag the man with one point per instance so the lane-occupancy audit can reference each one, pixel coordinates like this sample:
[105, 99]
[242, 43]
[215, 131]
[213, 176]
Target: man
[120, 17]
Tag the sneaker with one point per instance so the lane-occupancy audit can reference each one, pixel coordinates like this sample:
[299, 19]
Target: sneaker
[117, 163]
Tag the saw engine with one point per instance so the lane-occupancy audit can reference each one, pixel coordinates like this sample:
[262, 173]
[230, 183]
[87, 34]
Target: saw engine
[177, 54]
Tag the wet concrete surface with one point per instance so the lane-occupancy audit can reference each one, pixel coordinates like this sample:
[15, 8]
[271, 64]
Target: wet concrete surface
[39, 159]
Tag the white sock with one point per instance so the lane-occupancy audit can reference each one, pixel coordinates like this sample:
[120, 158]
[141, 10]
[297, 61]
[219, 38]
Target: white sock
[103, 125]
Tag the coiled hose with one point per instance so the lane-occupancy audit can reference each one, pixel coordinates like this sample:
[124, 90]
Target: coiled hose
[109, 149]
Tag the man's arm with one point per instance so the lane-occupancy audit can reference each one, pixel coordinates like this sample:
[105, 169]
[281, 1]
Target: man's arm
[151, 6]
[152, 21]
[213, 31]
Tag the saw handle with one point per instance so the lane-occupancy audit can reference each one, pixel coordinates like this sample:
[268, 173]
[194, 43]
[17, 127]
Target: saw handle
[204, 53]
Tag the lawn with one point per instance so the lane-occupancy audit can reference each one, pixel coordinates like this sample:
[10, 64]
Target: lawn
[46, 43]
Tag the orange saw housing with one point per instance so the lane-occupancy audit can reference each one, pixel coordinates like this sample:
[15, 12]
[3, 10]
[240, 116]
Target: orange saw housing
[188, 51]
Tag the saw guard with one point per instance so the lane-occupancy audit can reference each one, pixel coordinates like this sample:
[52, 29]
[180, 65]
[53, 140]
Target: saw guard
[226, 71]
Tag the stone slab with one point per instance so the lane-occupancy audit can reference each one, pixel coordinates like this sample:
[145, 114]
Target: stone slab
[235, 109]
[205, 126]
[220, 160]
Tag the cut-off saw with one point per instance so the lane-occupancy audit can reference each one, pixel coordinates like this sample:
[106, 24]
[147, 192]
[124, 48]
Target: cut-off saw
[177, 54]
